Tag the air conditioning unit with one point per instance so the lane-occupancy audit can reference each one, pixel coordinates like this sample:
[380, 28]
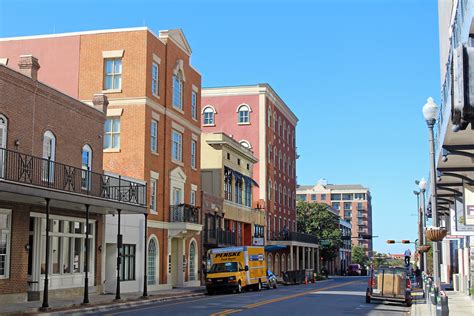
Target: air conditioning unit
[462, 112]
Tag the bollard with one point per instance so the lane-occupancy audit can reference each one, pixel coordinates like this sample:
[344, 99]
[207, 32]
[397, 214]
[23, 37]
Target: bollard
[442, 308]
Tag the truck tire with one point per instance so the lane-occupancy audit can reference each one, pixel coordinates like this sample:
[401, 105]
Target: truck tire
[258, 287]
[408, 302]
[239, 288]
[210, 292]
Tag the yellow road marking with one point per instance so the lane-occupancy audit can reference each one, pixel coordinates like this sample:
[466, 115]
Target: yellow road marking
[279, 299]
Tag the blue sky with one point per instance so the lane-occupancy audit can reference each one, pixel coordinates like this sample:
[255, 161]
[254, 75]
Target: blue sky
[356, 73]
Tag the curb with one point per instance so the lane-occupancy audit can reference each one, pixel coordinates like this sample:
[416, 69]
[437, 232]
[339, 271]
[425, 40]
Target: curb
[109, 305]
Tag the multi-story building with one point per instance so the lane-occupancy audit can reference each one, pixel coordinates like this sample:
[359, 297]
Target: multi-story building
[260, 120]
[345, 252]
[53, 192]
[454, 146]
[152, 131]
[353, 202]
[227, 174]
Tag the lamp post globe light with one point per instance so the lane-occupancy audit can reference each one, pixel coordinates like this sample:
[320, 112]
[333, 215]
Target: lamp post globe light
[430, 113]
[422, 214]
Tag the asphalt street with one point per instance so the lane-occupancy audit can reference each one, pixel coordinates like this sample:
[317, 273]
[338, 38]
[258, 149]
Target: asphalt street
[337, 296]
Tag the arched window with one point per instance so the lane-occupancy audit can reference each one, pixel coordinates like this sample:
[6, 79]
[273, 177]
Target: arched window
[244, 114]
[208, 115]
[284, 131]
[275, 153]
[178, 90]
[192, 262]
[284, 163]
[269, 117]
[3, 142]
[49, 154]
[86, 167]
[270, 262]
[284, 196]
[277, 264]
[283, 263]
[269, 190]
[279, 159]
[151, 264]
[269, 152]
[246, 144]
[275, 196]
[279, 194]
[274, 121]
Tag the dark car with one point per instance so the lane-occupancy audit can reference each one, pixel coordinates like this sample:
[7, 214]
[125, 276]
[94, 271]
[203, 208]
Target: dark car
[354, 269]
[272, 280]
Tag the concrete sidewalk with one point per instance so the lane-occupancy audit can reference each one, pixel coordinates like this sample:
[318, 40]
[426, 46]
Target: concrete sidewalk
[99, 302]
[459, 304]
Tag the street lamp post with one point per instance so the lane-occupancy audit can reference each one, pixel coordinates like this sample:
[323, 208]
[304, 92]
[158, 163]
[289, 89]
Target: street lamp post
[430, 113]
[422, 214]
[420, 226]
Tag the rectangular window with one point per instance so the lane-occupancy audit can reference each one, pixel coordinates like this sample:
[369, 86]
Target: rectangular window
[347, 197]
[227, 184]
[177, 148]
[347, 214]
[177, 92]
[154, 79]
[248, 194]
[335, 197]
[193, 154]
[153, 195]
[5, 242]
[154, 136]
[359, 196]
[194, 105]
[335, 205]
[313, 197]
[127, 268]
[347, 205]
[359, 206]
[323, 197]
[238, 191]
[113, 74]
[301, 197]
[193, 198]
[112, 133]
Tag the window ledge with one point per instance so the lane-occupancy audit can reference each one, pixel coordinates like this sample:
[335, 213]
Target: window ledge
[156, 95]
[112, 91]
[194, 168]
[179, 163]
[245, 123]
[155, 153]
[195, 119]
[111, 150]
[178, 109]
[208, 124]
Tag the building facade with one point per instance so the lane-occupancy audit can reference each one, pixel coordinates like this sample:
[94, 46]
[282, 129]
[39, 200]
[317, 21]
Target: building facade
[345, 252]
[54, 195]
[354, 203]
[227, 176]
[152, 131]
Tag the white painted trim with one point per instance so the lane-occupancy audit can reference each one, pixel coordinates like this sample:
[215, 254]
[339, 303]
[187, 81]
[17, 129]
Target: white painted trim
[113, 53]
[244, 140]
[243, 104]
[195, 137]
[4, 61]
[110, 91]
[114, 112]
[194, 187]
[262, 145]
[156, 59]
[154, 175]
[179, 66]
[155, 116]
[196, 264]
[208, 106]
[177, 127]
[195, 89]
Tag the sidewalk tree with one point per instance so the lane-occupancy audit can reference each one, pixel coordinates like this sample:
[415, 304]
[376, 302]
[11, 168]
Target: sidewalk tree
[359, 256]
[316, 219]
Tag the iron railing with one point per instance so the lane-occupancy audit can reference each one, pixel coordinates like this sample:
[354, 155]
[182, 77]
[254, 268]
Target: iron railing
[293, 236]
[184, 213]
[31, 170]
[221, 237]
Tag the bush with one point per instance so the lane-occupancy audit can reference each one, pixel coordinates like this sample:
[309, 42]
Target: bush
[472, 290]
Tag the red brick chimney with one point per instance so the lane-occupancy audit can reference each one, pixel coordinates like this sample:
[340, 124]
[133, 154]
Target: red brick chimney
[29, 66]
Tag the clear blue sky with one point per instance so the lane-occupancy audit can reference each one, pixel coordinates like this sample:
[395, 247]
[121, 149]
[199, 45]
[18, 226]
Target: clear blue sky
[355, 72]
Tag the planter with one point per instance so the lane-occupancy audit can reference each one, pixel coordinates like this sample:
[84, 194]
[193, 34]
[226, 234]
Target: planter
[435, 234]
[424, 248]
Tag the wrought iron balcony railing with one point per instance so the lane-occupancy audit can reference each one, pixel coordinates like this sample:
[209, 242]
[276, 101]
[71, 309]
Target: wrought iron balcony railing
[293, 236]
[46, 173]
[221, 237]
[184, 213]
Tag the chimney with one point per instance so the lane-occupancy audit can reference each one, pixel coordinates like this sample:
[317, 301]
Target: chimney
[100, 102]
[29, 66]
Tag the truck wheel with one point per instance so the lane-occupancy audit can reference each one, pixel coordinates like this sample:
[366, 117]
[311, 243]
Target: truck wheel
[210, 292]
[408, 302]
[239, 288]
[259, 286]
[275, 285]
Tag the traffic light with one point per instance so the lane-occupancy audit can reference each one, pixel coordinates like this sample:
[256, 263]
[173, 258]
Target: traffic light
[405, 241]
[390, 241]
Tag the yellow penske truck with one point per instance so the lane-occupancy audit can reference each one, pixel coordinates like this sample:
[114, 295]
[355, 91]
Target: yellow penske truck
[235, 269]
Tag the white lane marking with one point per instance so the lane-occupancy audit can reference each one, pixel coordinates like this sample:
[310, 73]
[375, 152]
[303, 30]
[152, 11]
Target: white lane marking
[354, 293]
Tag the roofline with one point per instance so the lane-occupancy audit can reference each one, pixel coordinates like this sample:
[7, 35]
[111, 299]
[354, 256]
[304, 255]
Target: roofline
[231, 143]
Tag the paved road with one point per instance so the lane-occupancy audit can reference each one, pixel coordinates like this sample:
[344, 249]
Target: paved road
[338, 296]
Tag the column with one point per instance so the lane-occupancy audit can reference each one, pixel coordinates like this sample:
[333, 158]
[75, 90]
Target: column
[45, 305]
[304, 258]
[145, 253]
[86, 263]
[297, 257]
[312, 258]
[318, 261]
[119, 255]
[291, 259]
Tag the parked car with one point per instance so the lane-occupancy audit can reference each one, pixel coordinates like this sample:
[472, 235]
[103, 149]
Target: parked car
[389, 284]
[354, 269]
[271, 280]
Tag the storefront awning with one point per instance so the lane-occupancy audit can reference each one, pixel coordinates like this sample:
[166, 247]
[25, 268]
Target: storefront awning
[271, 248]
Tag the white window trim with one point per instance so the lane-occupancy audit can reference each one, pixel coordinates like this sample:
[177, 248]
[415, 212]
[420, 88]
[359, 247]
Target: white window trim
[178, 161]
[214, 118]
[155, 151]
[9, 241]
[193, 159]
[157, 94]
[113, 53]
[154, 194]
[238, 114]
[114, 90]
[112, 149]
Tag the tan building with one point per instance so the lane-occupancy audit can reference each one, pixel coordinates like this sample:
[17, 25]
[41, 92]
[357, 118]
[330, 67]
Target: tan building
[353, 202]
[227, 174]
[152, 132]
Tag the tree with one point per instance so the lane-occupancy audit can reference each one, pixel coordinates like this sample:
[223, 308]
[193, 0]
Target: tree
[359, 256]
[380, 260]
[316, 219]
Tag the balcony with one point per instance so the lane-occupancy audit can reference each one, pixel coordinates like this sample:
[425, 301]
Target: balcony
[293, 236]
[221, 238]
[362, 223]
[184, 213]
[34, 177]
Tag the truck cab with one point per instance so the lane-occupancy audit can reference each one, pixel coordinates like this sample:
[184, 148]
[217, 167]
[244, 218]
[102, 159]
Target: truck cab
[224, 276]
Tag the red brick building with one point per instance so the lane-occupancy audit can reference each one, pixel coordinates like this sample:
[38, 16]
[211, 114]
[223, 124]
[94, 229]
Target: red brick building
[51, 168]
[152, 131]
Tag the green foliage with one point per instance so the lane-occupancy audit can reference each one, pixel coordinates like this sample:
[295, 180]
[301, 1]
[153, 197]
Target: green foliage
[316, 219]
[379, 260]
[359, 256]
